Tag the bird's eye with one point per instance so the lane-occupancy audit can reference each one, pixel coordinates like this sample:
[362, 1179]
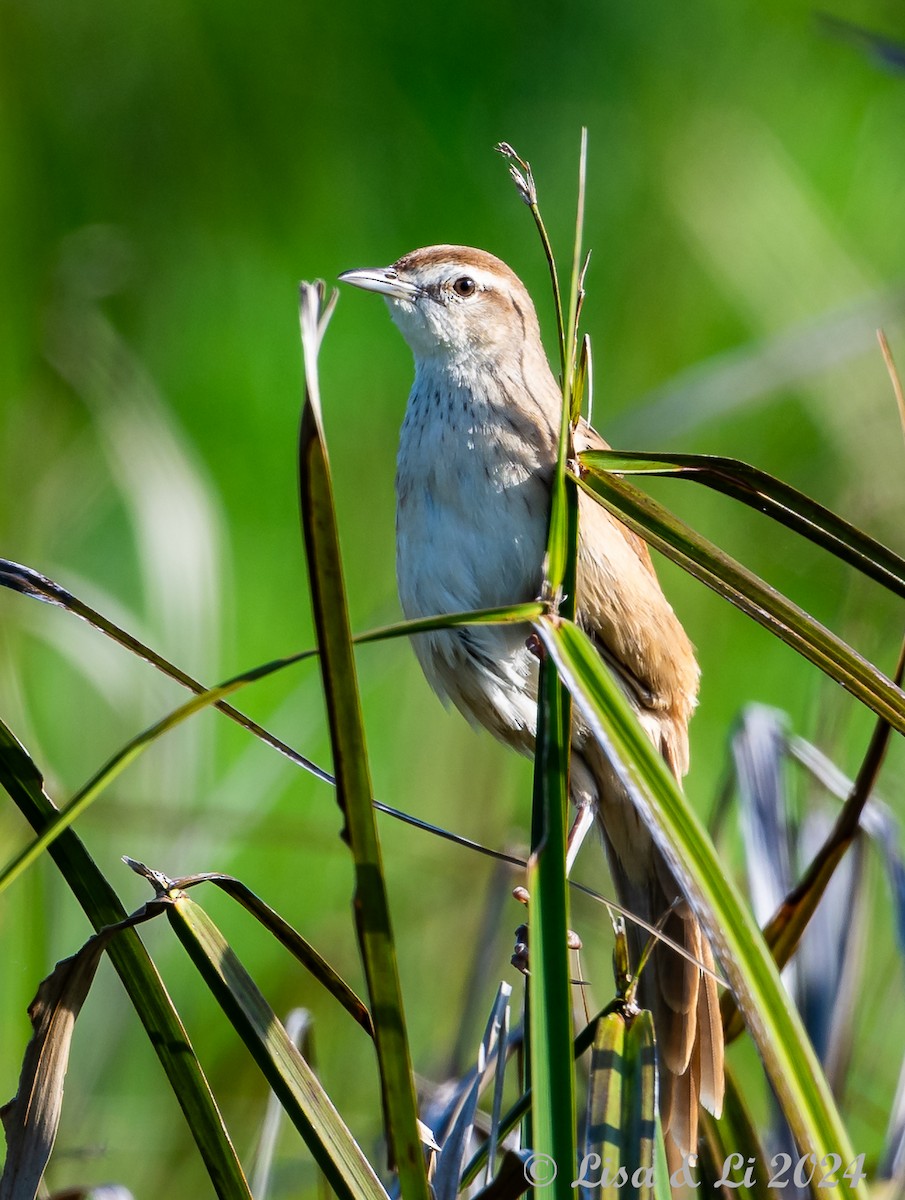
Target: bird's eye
[464, 286]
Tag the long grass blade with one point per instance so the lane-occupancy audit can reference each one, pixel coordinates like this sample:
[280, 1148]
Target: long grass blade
[771, 1018]
[549, 1011]
[31, 1119]
[770, 496]
[747, 592]
[85, 796]
[353, 784]
[303, 1097]
[794, 907]
[22, 780]
[313, 962]
[622, 1108]
[28, 582]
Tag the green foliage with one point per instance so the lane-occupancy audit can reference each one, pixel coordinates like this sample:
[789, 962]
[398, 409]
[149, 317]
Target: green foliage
[171, 172]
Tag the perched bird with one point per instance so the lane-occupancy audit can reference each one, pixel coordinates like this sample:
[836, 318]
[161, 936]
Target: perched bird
[476, 459]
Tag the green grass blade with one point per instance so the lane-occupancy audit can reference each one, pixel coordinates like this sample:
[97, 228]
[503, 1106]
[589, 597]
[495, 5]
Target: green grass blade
[771, 496]
[28, 582]
[22, 780]
[582, 1043]
[728, 578]
[606, 1080]
[300, 1092]
[549, 1013]
[774, 1024]
[353, 783]
[576, 294]
[62, 818]
[562, 535]
[301, 949]
[102, 779]
[510, 614]
[622, 1107]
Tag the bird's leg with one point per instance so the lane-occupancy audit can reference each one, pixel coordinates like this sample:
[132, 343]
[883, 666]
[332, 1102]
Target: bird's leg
[535, 646]
[584, 819]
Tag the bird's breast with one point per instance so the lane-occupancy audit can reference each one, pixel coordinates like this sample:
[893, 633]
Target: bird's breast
[472, 502]
[471, 522]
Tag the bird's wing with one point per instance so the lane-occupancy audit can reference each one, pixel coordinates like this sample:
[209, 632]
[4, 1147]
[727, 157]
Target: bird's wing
[587, 438]
[621, 605]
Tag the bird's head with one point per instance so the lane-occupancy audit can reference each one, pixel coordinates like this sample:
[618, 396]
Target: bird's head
[454, 302]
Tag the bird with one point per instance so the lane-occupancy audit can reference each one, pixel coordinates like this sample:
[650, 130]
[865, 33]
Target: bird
[476, 459]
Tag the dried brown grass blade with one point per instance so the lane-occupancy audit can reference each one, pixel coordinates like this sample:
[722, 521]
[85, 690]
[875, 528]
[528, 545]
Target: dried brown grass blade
[32, 1117]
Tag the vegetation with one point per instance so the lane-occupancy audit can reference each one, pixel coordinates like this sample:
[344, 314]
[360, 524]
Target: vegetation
[111, 306]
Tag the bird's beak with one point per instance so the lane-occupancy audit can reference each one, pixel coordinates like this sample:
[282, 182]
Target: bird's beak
[384, 280]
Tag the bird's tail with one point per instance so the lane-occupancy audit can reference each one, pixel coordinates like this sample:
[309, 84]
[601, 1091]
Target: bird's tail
[682, 998]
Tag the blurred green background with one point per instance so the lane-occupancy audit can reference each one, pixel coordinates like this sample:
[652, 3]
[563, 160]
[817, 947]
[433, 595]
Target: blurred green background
[169, 172]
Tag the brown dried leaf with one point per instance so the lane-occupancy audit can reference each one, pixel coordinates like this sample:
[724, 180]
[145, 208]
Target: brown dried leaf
[32, 1117]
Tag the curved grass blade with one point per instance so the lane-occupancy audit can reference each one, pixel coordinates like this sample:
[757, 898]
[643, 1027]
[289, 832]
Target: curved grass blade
[353, 783]
[306, 1103]
[523, 178]
[31, 1119]
[22, 780]
[86, 795]
[729, 579]
[770, 496]
[771, 1018]
[62, 818]
[445, 1180]
[792, 909]
[29, 582]
[297, 946]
